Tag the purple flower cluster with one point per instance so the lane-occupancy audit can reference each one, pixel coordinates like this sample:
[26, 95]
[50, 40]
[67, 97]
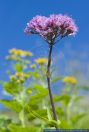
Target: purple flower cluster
[51, 28]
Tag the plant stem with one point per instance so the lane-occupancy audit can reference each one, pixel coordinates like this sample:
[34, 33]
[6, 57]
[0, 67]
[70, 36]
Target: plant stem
[21, 116]
[49, 82]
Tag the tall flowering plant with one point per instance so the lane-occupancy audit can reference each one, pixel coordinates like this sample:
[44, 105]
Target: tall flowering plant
[51, 29]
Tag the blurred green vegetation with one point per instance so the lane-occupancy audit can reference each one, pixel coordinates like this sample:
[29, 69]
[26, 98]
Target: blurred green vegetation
[28, 108]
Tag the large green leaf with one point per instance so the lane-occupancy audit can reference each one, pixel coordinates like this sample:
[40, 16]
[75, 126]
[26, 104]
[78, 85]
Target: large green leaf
[52, 123]
[12, 87]
[12, 105]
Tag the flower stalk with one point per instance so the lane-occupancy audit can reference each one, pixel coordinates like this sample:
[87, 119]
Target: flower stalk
[49, 81]
[51, 29]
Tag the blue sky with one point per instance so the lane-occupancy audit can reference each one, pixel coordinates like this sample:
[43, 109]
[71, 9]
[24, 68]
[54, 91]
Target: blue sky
[14, 14]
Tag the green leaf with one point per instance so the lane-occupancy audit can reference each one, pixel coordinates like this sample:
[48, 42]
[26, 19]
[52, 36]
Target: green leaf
[62, 98]
[33, 104]
[12, 105]
[49, 122]
[60, 111]
[37, 115]
[17, 128]
[12, 87]
[65, 125]
[78, 117]
[83, 123]
[42, 113]
[40, 89]
[37, 98]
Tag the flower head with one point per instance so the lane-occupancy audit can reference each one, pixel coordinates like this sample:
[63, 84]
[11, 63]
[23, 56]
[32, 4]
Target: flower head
[20, 77]
[14, 58]
[70, 80]
[41, 61]
[21, 53]
[52, 27]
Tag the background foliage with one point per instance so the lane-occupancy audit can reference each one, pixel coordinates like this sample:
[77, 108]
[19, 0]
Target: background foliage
[26, 105]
